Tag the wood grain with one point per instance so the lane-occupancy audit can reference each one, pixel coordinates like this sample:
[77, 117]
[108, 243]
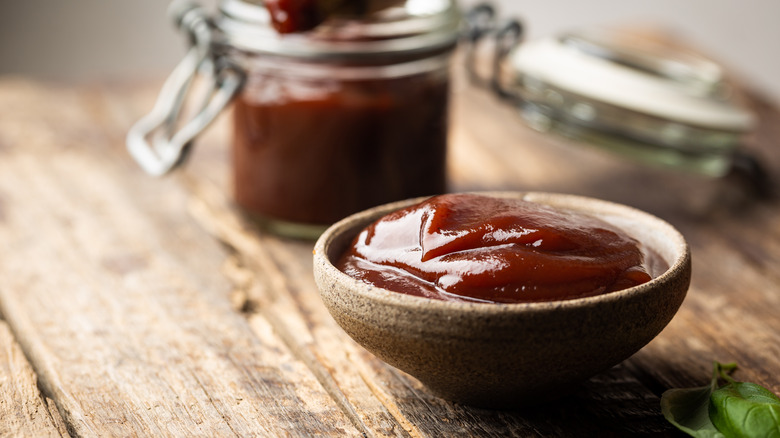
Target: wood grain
[23, 409]
[116, 297]
[151, 307]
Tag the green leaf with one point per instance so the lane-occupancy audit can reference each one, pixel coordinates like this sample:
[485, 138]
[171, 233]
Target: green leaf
[688, 410]
[743, 409]
[734, 410]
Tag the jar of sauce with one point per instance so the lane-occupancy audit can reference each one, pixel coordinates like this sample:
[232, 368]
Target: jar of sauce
[347, 114]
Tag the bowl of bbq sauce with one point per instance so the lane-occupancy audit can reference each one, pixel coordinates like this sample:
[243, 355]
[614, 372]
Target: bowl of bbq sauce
[502, 300]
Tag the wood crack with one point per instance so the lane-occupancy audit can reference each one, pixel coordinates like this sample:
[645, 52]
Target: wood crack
[25, 407]
[205, 390]
[47, 382]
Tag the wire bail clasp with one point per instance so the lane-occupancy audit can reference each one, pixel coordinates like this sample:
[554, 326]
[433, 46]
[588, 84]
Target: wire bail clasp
[482, 23]
[154, 141]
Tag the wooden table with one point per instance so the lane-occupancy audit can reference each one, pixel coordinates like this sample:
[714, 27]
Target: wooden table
[135, 306]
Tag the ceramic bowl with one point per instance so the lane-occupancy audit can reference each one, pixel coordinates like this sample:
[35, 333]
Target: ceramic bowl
[506, 355]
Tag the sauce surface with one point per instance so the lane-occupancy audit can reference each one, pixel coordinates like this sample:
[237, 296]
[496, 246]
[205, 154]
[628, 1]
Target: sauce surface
[466, 247]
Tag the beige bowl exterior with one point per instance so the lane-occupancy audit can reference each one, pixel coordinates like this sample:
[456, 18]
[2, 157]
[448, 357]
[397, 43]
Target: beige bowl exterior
[506, 355]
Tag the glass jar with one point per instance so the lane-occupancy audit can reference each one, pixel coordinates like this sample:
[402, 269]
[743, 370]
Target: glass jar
[331, 121]
[640, 95]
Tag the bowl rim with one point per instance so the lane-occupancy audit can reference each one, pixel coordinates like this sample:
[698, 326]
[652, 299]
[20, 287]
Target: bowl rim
[680, 265]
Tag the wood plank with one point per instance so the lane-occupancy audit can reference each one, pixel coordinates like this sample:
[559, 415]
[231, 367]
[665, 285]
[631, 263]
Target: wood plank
[271, 290]
[287, 329]
[116, 296]
[23, 409]
[264, 298]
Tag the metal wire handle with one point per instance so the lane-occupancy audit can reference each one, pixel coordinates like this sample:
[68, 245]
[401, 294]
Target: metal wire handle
[481, 23]
[154, 141]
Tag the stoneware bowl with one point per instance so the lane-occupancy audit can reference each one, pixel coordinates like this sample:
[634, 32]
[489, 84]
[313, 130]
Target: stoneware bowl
[506, 355]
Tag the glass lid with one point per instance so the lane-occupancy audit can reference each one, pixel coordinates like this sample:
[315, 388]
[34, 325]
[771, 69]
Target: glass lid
[633, 95]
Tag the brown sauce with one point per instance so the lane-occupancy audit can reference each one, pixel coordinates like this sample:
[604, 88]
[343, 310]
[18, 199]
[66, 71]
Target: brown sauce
[292, 16]
[466, 247]
[314, 153]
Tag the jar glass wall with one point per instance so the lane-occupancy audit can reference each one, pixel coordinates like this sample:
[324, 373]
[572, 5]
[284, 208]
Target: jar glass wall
[346, 116]
[315, 142]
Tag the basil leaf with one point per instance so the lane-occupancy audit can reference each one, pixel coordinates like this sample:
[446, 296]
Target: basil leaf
[743, 409]
[688, 410]
[735, 410]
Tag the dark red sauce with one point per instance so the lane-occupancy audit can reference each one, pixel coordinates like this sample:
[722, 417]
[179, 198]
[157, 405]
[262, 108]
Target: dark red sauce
[467, 247]
[318, 151]
[290, 16]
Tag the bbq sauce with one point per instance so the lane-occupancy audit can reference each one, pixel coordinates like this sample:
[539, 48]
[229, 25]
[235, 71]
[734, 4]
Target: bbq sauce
[467, 247]
[315, 151]
[294, 16]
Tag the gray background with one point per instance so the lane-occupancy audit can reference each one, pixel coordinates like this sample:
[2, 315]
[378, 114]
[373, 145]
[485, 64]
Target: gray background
[106, 40]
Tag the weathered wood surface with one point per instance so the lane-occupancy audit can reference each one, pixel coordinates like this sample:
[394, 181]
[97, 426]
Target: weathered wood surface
[149, 307]
[24, 411]
[117, 298]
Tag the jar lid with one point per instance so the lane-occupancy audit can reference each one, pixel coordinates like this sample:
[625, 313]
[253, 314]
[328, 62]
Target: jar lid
[641, 97]
[412, 27]
[635, 74]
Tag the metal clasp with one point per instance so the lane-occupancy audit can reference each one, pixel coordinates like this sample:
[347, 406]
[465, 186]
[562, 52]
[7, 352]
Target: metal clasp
[481, 22]
[154, 141]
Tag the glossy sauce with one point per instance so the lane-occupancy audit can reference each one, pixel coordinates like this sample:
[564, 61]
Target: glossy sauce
[288, 16]
[466, 247]
[292, 16]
